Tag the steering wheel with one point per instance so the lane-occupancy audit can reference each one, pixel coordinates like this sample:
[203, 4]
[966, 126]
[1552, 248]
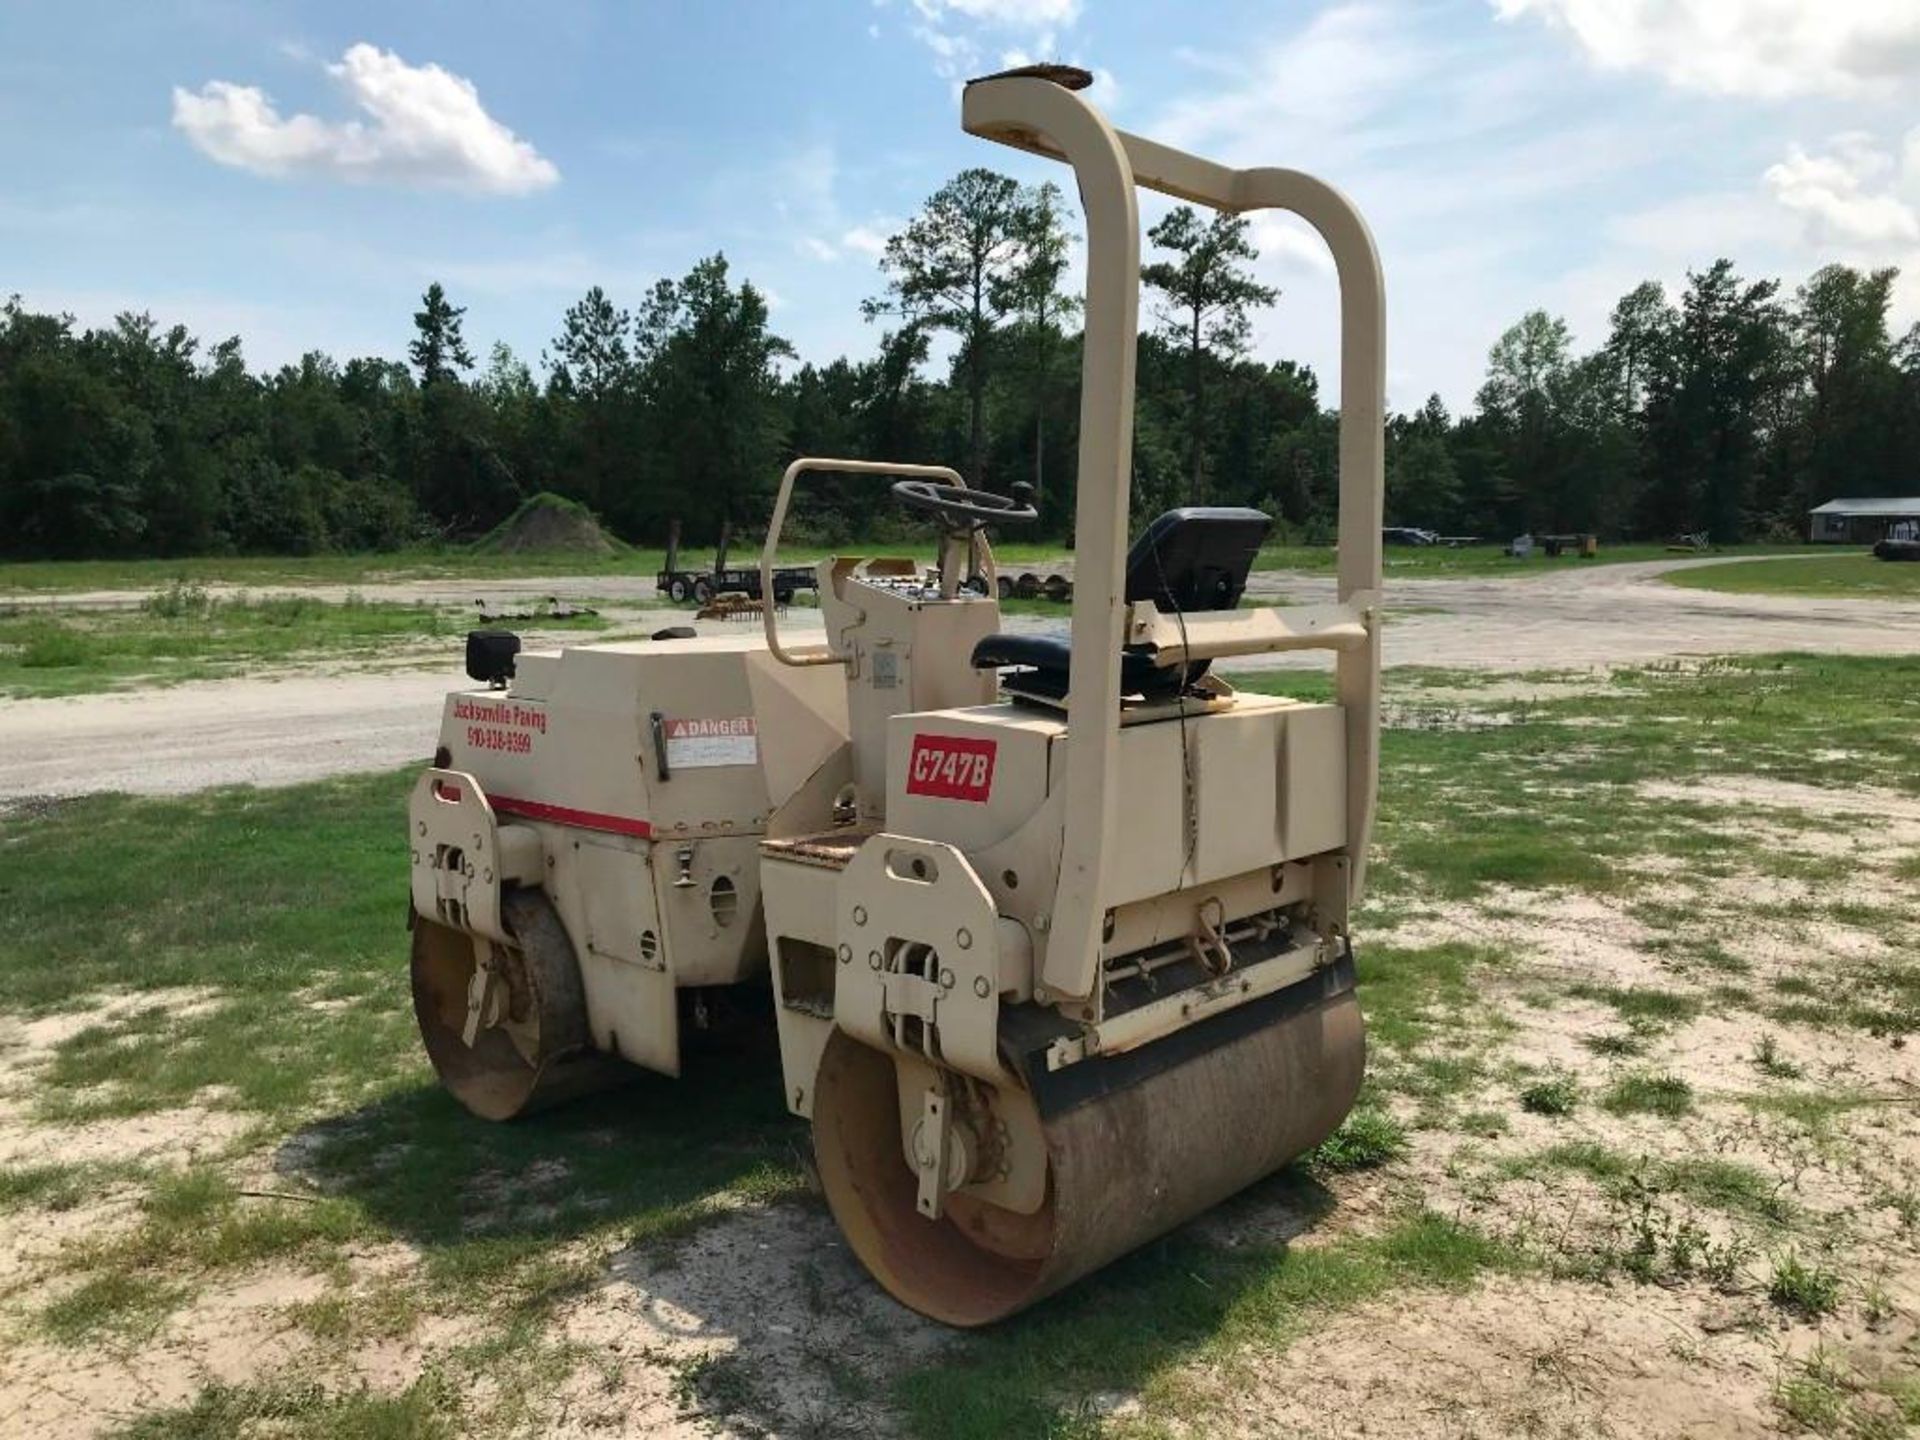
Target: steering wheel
[959, 507]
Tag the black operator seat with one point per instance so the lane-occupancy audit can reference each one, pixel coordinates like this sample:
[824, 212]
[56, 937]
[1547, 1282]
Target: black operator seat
[1189, 560]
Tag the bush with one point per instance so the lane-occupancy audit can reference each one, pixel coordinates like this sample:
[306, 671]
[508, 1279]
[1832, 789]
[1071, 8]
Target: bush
[178, 601]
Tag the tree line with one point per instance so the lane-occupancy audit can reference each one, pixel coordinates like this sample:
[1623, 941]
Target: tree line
[1732, 408]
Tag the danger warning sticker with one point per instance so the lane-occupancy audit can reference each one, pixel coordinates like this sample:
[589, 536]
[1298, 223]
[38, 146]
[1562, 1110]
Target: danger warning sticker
[724, 740]
[951, 767]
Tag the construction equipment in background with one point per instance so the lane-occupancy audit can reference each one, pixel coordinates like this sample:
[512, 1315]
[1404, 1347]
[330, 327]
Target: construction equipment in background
[551, 608]
[1585, 545]
[1056, 929]
[1029, 586]
[703, 587]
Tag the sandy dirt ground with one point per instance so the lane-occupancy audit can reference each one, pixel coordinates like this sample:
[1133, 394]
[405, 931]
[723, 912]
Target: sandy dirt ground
[292, 726]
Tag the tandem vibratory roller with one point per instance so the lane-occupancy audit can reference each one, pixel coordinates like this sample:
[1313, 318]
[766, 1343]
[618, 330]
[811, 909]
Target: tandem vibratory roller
[1036, 1016]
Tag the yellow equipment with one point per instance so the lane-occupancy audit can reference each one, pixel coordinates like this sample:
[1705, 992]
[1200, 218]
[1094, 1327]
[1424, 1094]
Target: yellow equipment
[1056, 929]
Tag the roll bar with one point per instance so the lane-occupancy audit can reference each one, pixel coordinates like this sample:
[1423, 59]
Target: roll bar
[768, 552]
[1045, 118]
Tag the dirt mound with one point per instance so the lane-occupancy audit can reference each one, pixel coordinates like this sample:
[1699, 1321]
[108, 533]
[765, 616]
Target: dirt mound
[547, 524]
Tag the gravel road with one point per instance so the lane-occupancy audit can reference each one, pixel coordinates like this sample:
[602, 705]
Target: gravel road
[300, 726]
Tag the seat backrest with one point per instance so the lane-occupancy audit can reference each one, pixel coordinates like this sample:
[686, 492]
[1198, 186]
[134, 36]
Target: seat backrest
[1196, 558]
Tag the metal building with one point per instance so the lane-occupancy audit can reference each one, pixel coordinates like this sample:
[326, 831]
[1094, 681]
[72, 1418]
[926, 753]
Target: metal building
[1861, 521]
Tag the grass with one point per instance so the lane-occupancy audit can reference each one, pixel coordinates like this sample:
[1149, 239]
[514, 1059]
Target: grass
[1551, 798]
[1823, 1394]
[279, 914]
[1808, 1291]
[113, 1302]
[1768, 1060]
[218, 889]
[1642, 1007]
[1839, 573]
[50, 1187]
[184, 633]
[428, 1409]
[1725, 1185]
[1413, 562]
[450, 562]
[1646, 1094]
[482, 561]
[1368, 1138]
[1139, 1325]
[1555, 1096]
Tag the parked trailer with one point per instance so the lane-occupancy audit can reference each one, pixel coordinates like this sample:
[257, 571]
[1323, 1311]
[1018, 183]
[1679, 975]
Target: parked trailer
[701, 586]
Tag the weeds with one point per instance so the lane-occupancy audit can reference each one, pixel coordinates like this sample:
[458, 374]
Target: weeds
[116, 1301]
[1649, 1094]
[428, 1409]
[1615, 1046]
[1768, 1060]
[1643, 1008]
[1368, 1138]
[1824, 1394]
[1808, 1291]
[1555, 1096]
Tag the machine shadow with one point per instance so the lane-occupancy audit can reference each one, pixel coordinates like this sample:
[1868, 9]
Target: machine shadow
[645, 1153]
[819, 1347]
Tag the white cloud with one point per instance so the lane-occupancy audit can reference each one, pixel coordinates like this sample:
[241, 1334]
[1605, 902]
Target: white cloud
[1766, 48]
[1007, 14]
[1345, 66]
[1848, 196]
[425, 127]
[868, 240]
[952, 30]
[1288, 242]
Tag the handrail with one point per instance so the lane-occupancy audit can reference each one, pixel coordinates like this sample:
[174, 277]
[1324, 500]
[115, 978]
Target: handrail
[825, 655]
[1044, 118]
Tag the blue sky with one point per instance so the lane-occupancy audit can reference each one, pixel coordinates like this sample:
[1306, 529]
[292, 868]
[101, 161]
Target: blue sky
[297, 173]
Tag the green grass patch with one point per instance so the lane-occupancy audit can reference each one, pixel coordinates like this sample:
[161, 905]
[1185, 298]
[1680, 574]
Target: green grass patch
[1725, 1185]
[116, 1302]
[1648, 1094]
[1555, 1096]
[183, 633]
[1642, 1007]
[1824, 1395]
[217, 892]
[428, 1409]
[1615, 1045]
[1803, 1289]
[1843, 573]
[1138, 1324]
[1368, 1138]
[1811, 1110]
[1554, 797]
[56, 1186]
[1488, 559]
[1768, 1060]
[458, 562]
